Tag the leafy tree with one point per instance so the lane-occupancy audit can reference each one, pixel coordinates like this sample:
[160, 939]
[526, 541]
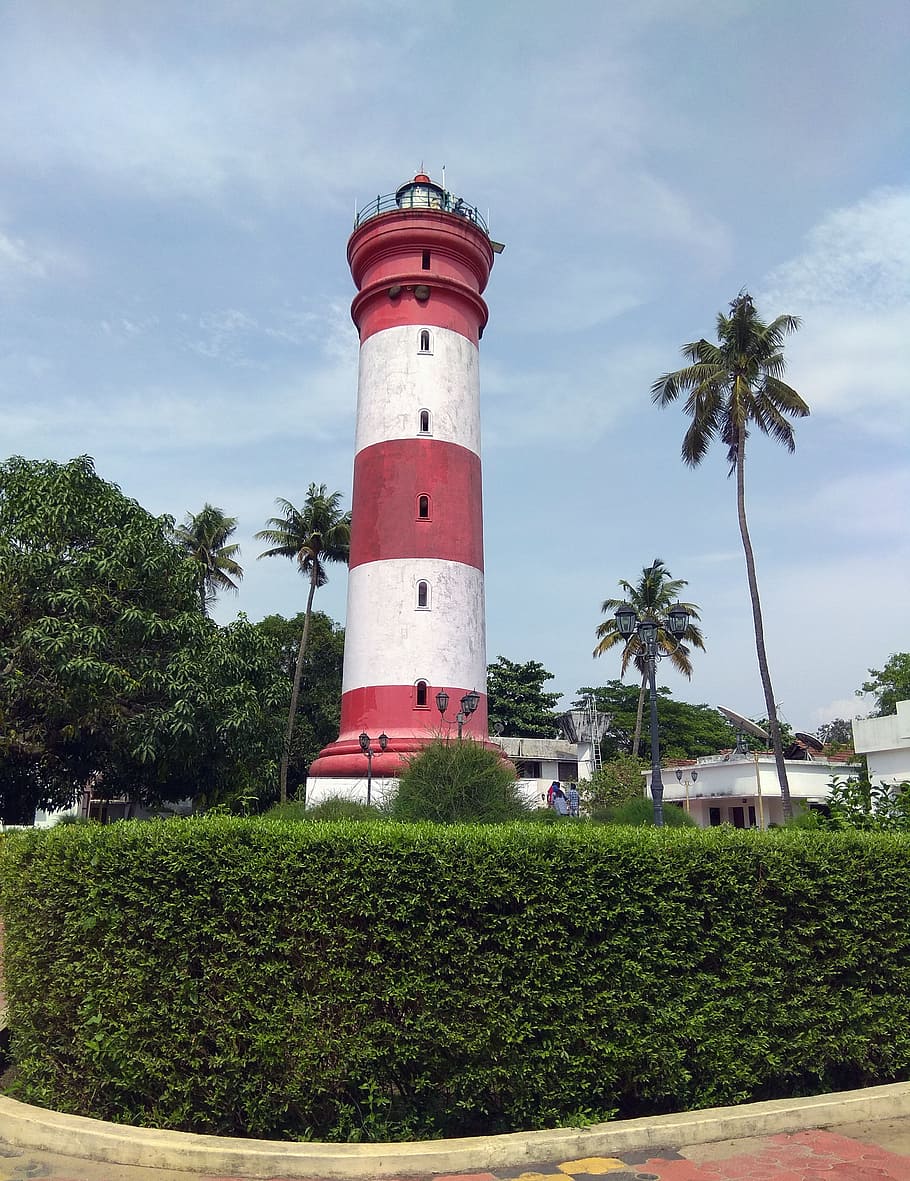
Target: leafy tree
[312, 536]
[458, 782]
[319, 705]
[652, 597]
[618, 780]
[838, 732]
[204, 538]
[685, 731]
[889, 685]
[733, 386]
[517, 703]
[107, 667]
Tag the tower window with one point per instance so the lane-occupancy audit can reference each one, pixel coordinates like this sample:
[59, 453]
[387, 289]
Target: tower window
[421, 701]
[423, 508]
[425, 341]
[425, 261]
[423, 596]
[424, 420]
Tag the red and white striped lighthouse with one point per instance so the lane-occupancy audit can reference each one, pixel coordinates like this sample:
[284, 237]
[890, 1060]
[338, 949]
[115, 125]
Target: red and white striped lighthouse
[415, 619]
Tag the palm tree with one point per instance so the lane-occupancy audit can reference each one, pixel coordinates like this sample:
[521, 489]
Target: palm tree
[732, 386]
[311, 536]
[652, 597]
[204, 537]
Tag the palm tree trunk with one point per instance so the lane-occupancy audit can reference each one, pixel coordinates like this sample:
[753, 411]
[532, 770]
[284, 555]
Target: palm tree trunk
[295, 691]
[636, 741]
[763, 670]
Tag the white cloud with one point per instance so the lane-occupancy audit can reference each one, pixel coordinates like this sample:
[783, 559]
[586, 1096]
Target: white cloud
[24, 261]
[851, 286]
[859, 256]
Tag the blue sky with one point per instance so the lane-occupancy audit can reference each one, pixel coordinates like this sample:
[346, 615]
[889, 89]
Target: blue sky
[177, 187]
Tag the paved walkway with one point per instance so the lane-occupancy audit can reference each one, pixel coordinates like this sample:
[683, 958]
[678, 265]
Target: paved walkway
[877, 1151]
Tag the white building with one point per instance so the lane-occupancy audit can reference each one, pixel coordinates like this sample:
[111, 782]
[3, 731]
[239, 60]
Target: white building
[886, 744]
[743, 789]
[538, 761]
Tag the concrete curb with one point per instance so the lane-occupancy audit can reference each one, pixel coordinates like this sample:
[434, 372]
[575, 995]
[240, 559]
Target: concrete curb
[72, 1135]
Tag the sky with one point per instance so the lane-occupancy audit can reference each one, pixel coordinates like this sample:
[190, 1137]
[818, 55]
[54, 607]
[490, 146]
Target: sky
[177, 187]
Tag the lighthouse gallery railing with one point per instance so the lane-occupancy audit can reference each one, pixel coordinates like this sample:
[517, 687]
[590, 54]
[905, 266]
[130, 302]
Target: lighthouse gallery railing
[442, 201]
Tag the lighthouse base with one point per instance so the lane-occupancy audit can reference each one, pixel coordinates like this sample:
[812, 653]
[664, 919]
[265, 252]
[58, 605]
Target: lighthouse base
[318, 790]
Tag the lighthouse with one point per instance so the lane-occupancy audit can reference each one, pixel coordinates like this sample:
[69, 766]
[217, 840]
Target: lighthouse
[415, 629]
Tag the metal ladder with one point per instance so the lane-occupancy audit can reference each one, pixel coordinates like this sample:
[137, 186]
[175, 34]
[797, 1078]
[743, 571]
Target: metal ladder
[594, 731]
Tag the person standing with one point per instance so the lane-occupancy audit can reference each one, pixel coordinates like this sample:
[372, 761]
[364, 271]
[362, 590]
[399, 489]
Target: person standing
[560, 803]
[574, 800]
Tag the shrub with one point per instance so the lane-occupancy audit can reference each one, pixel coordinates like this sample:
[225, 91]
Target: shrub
[335, 808]
[640, 811]
[458, 782]
[618, 780]
[371, 980]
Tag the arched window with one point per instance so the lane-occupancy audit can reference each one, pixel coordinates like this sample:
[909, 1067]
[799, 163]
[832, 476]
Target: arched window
[421, 695]
[424, 422]
[423, 508]
[423, 596]
[425, 341]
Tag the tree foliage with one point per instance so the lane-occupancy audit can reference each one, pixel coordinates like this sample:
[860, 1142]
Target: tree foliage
[735, 386]
[318, 713]
[889, 684]
[518, 705]
[836, 734]
[685, 731]
[107, 667]
[855, 803]
[312, 537]
[652, 596]
[618, 781]
[203, 536]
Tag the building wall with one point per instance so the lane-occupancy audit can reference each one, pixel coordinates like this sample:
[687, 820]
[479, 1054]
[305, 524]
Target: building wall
[730, 784]
[886, 744]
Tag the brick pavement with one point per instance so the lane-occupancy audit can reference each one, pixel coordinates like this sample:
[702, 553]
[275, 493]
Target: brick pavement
[870, 1152]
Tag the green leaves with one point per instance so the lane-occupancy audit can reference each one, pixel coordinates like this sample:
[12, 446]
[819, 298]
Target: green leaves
[111, 668]
[517, 701]
[375, 980]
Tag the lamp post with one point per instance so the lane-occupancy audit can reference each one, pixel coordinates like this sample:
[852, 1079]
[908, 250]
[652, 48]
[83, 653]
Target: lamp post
[469, 704]
[679, 776]
[366, 745]
[647, 628]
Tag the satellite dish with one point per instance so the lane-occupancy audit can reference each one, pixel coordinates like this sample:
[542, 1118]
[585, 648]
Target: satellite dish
[811, 742]
[743, 724]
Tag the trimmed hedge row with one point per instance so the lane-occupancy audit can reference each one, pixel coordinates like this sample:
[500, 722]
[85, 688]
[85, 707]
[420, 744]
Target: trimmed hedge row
[375, 981]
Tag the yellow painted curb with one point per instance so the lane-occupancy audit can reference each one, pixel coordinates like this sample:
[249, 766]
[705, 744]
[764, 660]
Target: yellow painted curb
[73, 1135]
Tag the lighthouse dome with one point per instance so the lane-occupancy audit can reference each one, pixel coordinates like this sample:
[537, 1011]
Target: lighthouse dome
[420, 193]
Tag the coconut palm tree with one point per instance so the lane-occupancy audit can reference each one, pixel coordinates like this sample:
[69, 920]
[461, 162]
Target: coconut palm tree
[312, 536]
[204, 537]
[652, 597]
[733, 386]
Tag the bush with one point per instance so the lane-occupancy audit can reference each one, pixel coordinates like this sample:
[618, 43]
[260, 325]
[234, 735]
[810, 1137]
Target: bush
[619, 780]
[640, 811]
[336, 808]
[259, 978]
[458, 782]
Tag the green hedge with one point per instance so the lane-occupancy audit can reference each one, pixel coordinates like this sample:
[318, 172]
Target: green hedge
[374, 980]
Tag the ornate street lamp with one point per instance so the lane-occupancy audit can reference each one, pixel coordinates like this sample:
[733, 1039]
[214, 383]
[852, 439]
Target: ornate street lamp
[366, 745]
[679, 777]
[469, 704]
[647, 628]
